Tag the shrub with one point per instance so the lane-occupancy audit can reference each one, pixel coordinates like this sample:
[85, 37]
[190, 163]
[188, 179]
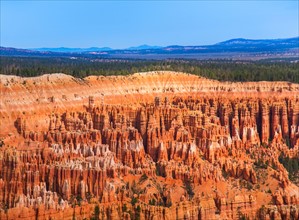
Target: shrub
[134, 201]
[143, 178]
[189, 188]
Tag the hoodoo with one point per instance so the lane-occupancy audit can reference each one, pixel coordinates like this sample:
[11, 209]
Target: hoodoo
[157, 145]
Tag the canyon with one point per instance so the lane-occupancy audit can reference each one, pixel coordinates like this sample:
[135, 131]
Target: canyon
[153, 145]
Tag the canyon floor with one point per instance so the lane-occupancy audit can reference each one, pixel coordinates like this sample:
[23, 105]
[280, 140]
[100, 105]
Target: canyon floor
[155, 145]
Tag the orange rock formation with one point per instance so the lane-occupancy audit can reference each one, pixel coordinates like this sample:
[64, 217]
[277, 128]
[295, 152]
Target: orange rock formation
[159, 145]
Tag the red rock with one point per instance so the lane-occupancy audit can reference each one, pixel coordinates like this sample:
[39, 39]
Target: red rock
[62, 157]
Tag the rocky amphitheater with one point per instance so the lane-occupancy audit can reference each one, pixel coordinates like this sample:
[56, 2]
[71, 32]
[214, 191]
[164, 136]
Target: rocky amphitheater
[156, 145]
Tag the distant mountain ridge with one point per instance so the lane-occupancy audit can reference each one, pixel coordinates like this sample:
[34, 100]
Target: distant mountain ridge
[242, 45]
[144, 47]
[238, 45]
[71, 50]
[90, 49]
[239, 41]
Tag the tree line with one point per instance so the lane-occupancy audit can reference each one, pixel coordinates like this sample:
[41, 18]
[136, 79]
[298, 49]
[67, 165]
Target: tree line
[223, 70]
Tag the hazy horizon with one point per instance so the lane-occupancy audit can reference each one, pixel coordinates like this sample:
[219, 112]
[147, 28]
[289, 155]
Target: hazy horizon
[118, 25]
[132, 46]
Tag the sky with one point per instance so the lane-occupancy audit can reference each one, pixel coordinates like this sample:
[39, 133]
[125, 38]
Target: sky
[121, 24]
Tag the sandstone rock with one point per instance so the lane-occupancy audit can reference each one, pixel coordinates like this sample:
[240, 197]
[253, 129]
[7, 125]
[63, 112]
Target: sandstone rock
[195, 149]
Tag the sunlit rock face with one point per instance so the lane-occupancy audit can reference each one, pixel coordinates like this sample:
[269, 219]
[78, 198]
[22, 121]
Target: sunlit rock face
[159, 145]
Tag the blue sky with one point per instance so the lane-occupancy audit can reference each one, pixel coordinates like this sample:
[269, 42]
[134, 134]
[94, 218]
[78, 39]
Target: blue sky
[121, 24]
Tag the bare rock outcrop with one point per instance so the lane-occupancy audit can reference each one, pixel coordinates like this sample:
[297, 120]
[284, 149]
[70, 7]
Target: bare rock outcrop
[176, 147]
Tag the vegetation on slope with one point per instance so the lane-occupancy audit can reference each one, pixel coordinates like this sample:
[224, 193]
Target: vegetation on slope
[224, 70]
[291, 165]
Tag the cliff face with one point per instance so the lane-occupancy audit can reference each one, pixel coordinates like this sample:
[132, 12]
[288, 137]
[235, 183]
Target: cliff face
[150, 146]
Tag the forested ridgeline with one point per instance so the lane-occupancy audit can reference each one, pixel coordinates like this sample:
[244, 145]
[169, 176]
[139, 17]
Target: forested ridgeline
[223, 70]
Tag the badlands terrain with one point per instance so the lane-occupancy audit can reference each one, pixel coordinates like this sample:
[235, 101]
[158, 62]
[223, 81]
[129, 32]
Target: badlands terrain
[156, 145]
